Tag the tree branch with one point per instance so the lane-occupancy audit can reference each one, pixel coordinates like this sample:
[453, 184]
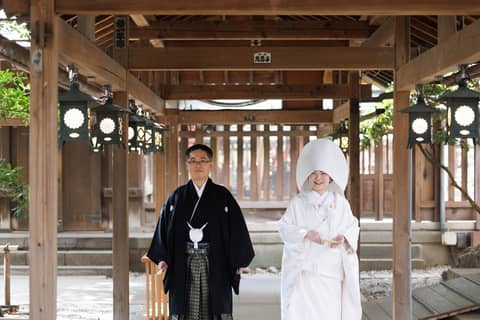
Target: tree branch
[429, 157]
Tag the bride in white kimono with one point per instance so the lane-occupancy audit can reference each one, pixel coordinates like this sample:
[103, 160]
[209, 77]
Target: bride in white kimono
[320, 265]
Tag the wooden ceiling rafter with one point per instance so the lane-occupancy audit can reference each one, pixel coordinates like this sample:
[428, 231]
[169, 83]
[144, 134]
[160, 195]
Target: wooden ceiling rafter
[140, 20]
[265, 30]
[239, 58]
[104, 24]
[421, 70]
[423, 34]
[280, 7]
[253, 116]
[17, 8]
[266, 91]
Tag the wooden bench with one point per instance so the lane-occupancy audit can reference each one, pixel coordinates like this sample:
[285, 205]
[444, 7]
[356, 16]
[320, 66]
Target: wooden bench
[157, 300]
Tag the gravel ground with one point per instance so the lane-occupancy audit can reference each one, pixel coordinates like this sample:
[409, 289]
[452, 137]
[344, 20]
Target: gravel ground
[91, 298]
[377, 284]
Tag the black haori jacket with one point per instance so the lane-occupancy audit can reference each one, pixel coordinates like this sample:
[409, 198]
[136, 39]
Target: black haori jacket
[230, 246]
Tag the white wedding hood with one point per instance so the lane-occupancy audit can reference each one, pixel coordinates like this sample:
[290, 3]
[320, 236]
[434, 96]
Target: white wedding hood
[323, 155]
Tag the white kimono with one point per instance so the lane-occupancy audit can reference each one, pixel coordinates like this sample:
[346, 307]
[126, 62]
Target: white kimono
[319, 282]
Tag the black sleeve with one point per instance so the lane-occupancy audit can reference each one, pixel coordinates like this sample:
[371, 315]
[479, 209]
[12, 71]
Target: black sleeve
[240, 246]
[158, 248]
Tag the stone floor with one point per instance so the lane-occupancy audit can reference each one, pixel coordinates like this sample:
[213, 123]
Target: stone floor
[90, 297]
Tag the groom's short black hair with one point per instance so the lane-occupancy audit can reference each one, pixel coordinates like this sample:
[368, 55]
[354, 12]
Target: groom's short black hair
[199, 146]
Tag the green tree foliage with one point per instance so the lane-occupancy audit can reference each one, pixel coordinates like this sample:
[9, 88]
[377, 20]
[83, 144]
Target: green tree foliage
[14, 30]
[12, 184]
[373, 130]
[14, 95]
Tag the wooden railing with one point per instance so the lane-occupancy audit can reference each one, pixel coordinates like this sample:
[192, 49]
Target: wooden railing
[157, 300]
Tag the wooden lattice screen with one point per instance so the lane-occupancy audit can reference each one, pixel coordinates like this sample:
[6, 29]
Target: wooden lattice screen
[256, 162]
[376, 164]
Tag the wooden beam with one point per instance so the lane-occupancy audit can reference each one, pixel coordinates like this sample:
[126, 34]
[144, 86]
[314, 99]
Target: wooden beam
[280, 7]
[20, 58]
[144, 95]
[462, 47]
[157, 43]
[86, 26]
[254, 116]
[341, 112]
[285, 92]
[242, 58]
[248, 30]
[88, 58]
[382, 36]
[43, 161]
[265, 43]
[18, 8]
[367, 79]
[12, 122]
[446, 27]
[140, 20]
[15, 54]
[92, 61]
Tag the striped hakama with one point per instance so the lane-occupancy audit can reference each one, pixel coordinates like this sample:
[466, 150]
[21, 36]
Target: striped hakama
[197, 295]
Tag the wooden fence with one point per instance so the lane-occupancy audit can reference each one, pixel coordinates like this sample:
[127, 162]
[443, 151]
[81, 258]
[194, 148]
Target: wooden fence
[156, 299]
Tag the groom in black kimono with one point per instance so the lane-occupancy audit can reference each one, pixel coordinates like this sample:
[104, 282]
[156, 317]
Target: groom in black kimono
[202, 243]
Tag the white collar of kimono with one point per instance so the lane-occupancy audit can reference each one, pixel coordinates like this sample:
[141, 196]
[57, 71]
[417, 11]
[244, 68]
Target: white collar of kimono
[323, 155]
[199, 189]
[317, 199]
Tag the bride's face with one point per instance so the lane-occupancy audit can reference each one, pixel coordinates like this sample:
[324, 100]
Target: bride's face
[319, 181]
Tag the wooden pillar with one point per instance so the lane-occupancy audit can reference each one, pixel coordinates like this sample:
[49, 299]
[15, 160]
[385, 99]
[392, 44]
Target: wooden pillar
[182, 174]
[136, 179]
[120, 246]
[226, 157]
[214, 146]
[294, 147]
[354, 145]
[447, 26]
[280, 167]
[43, 162]
[5, 138]
[401, 224]
[266, 162]
[174, 156]
[379, 185]
[477, 184]
[160, 180]
[254, 181]
[239, 168]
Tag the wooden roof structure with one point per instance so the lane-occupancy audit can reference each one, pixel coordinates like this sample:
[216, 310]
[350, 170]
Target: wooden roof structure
[305, 47]
[156, 51]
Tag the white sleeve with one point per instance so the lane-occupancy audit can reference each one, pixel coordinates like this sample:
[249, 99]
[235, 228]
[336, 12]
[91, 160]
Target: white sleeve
[349, 226]
[290, 232]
